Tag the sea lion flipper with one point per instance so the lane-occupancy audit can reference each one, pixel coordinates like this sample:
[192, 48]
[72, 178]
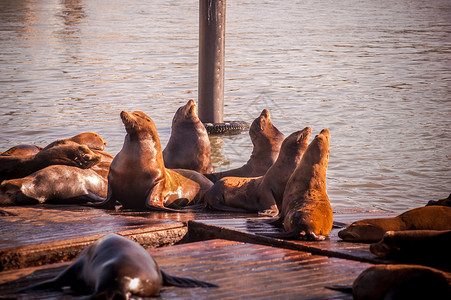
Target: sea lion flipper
[108, 203]
[169, 280]
[340, 288]
[337, 224]
[277, 222]
[66, 278]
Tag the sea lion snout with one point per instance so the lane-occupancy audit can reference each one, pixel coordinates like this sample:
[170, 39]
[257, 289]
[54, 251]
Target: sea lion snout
[127, 119]
[304, 135]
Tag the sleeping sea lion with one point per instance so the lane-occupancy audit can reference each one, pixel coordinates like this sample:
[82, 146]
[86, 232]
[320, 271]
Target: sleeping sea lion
[115, 267]
[138, 178]
[260, 194]
[22, 151]
[399, 282]
[444, 202]
[189, 145]
[55, 184]
[306, 212]
[420, 218]
[416, 246]
[90, 139]
[266, 139]
[71, 155]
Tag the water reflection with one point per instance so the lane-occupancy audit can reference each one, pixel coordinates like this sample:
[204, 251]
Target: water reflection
[72, 13]
[218, 159]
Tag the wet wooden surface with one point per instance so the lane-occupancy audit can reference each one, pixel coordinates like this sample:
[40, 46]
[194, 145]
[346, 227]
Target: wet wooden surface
[241, 270]
[252, 229]
[45, 234]
[49, 223]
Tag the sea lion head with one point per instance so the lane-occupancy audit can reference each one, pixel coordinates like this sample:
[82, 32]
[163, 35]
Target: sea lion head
[362, 231]
[384, 248]
[71, 154]
[8, 192]
[314, 162]
[296, 143]
[120, 279]
[11, 193]
[90, 139]
[443, 202]
[139, 125]
[187, 112]
[262, 129]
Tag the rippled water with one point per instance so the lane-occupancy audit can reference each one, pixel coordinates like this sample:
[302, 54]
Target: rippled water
[377, 74]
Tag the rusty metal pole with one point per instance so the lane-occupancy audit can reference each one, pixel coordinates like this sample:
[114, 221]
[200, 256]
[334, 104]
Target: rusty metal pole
[211, 60]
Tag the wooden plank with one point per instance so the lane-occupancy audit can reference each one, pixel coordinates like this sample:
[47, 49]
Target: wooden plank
[243, 230]
[49, 223]
[59, 251]
[241, 270]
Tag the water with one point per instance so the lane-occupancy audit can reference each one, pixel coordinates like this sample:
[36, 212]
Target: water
[377, 74]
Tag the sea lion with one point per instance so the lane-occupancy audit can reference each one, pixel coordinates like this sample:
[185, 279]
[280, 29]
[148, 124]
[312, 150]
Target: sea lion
[114, 267]
[306, 212]
[71, 155]
[91, 139]
[444, 202]
[189, 145]
[420, 218]
[416, 246]
[401, 282]
[266, 139]
[138, 178]
[55, 184]
[22, 151]
[260, 194]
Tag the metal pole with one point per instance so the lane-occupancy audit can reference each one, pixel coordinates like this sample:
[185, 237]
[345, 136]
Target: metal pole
[211, 60]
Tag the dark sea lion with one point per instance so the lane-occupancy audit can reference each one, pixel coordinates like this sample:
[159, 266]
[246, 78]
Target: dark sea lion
[115, 267]
[90, 139]
[411, 282]
[420, 218]
[444, 202]
[55, 184]
[266, 139]
[260, 194]
[401, 282]
[189, 145]
[22, 151]
[71, 155]
[306, 212]
[138, 178]
[416, 246]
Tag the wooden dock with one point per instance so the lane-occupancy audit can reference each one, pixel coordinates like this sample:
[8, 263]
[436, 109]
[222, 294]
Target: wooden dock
[225, 249]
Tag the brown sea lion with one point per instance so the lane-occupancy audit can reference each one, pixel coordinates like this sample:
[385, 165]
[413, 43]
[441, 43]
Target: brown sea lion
[266, 139]
[22, 151]
[71, 155]
[420, 218]
[55, 184]
[416, 246]
[115, 267]
[306, 212]
[189, 145]
[260, 194]
[138, 178]
[411, 282]
[444, 202]
[90, 139]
